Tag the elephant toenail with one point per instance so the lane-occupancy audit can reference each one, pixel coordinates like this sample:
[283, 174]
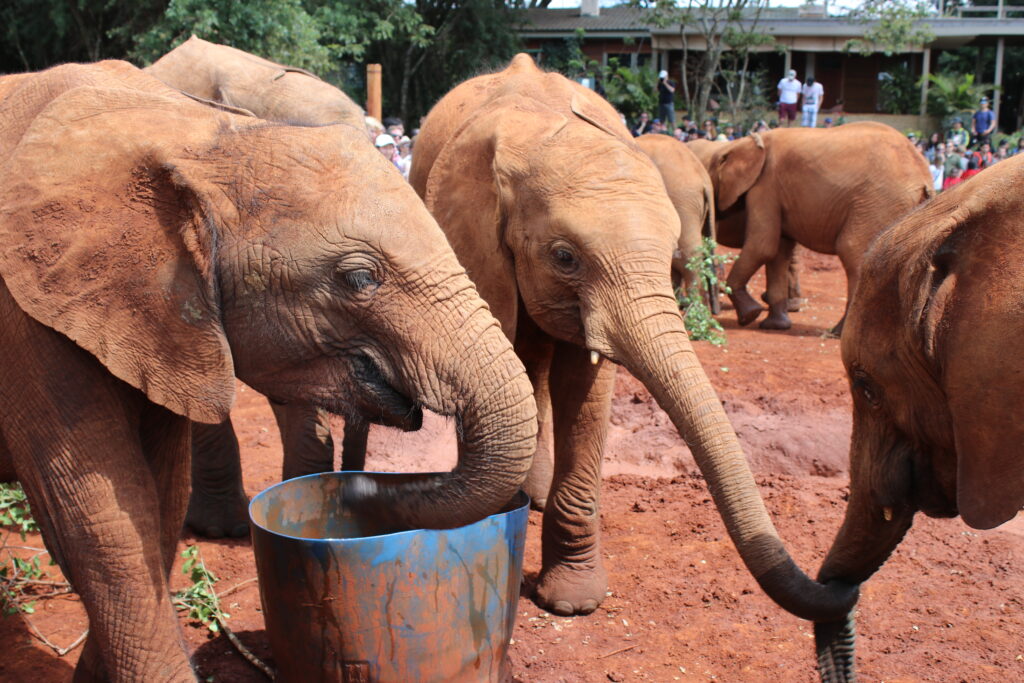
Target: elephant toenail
[240, 531]
[562, 609]
[214, 532]
[587, 606]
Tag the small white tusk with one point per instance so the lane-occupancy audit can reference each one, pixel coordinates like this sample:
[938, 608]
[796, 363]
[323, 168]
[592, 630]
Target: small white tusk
[594, 356]
[887, 513]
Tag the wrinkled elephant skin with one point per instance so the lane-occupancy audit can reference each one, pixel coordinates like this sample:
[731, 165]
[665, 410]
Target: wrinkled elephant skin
[565, 226]
[929, 351]
[156, 251]
[275, 92]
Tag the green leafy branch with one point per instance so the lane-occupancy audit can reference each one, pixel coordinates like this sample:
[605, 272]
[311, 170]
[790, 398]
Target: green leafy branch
[707, 266]
[202, 604]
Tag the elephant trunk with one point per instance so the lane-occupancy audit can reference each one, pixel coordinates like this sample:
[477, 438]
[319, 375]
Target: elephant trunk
[877, 518]
[652, 343]
[472, 373]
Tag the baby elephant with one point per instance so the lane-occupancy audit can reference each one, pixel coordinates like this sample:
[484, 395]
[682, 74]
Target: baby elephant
[936, 382]
[154, 251]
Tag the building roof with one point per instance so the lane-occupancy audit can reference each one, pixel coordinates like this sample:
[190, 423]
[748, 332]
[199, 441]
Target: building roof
[787, 22]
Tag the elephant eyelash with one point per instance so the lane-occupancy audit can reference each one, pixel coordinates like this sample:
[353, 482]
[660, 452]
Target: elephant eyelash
[359, 280]
[863, 383]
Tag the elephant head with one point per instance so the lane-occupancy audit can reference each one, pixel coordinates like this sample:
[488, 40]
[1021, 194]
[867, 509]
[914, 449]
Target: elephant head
[735, 167]
[555, 211]
[184, 247]
[936, 425]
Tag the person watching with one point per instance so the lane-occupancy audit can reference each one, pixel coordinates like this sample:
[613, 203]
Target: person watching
[983, 122]
[812, 93]
[789, 93]
[666, 100]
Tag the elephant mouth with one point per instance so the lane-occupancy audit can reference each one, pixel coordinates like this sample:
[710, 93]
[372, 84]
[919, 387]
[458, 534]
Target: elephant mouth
[379, 402]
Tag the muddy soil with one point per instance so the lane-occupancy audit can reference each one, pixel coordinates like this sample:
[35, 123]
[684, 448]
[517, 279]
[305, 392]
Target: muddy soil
[949, 605]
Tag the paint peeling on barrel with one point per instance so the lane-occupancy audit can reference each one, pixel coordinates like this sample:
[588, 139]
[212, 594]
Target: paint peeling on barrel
[345, 601]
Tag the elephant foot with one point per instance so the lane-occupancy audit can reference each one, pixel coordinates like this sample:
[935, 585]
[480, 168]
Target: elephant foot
[777, 318]
[747, 310]
[793, 304]
[217, 517]
[568, 589]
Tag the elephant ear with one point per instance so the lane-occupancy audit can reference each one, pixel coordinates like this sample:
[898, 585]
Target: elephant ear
[109, 238]
[471, 188]
[973, 320]
[736, 168]
[598, 114]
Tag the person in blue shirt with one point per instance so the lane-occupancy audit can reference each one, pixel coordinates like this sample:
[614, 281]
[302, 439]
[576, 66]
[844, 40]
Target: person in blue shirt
[984, 123]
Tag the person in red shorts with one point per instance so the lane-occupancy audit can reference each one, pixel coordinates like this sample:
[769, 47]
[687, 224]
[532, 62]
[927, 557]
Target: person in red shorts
[789, 95]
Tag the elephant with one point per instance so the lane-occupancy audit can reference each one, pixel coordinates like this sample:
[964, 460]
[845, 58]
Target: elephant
[269, 90]
[831, 190]
[565, 227]
[928, 353]
[693, 196]
[274, 92]
[157, 250]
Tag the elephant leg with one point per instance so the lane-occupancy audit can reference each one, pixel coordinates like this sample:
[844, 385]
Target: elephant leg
[218, 504]
[777, 272]
[306, 439]
[81, 460]
[572, 578]
[751, 258]
[851, 253]
[796, 297]
[353, 445]
[536, 353]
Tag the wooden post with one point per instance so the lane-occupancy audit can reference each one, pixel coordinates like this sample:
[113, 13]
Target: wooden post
[373, 79]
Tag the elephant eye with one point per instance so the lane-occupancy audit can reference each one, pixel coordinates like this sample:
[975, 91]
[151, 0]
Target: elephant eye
[359, 280]
[565, 259]
[863, 383]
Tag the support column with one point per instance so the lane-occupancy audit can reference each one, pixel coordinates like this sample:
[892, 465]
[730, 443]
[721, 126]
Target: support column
[789, 62]
[926, 67]
[809, 69]
[998, 95]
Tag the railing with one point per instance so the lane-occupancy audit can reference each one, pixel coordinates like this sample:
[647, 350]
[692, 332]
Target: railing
[999, 11]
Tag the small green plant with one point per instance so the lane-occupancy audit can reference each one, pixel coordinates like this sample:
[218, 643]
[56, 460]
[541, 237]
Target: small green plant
[199, 599]
[23, 578]
[15, 511]
[707, 266]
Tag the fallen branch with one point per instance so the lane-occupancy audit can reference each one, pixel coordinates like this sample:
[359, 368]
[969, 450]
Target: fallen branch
[246, 652]
[615, 652]
[61, 651]
[237, 587]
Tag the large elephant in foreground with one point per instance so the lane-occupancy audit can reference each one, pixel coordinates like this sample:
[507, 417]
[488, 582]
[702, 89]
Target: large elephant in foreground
[156, 249]
[564, 226]
[831, 190]
[277, 93]
[938, 419]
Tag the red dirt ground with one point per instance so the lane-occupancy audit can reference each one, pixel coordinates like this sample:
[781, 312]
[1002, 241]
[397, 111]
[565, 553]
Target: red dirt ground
[949, 605]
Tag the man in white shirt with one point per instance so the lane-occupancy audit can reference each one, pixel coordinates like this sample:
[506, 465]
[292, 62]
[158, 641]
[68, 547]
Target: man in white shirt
[813, 94]
[789, 93]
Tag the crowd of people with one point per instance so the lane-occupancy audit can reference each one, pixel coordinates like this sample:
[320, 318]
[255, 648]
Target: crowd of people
[961, 153]
[390, 139]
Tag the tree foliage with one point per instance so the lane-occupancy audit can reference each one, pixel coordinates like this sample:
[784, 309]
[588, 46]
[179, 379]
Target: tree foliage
[892, 26]
[722, 27]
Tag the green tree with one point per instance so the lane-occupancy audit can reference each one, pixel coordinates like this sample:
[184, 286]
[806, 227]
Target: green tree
[723, 26]
[35, 34]
[280, 30]
[468, 37]
[892, 26]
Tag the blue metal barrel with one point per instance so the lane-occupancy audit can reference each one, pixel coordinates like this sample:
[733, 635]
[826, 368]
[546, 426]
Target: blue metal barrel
[343, 600]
